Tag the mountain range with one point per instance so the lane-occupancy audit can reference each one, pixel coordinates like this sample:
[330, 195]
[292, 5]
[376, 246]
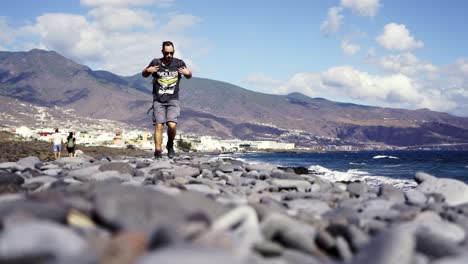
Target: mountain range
[210, 107]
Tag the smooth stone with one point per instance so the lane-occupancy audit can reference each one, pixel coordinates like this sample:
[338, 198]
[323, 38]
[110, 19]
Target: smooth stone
[311, 206]
[189, 254]
[269, 249]
[10, 178]
[279, 174]
[290, 233]
[356, 237]
[436, 247]
[83, 172]
[454, 191]
[40, 238]
[41, 179]
[325, 240]
[260, 167]
[29, 162]
[357, 188]
[343, 249]
[186, 172]
[166, 189]
[291, 184]
[252, 175]
[415, 197]
[8, 165]
[52, 172]
[202, 189]
[452, 260]
[207, 174]
[71, 161]
[298, 257]
[433, 224]
[121, 167]
[110, 175]
[391, 193]
[392, 246]
[136, 208]
[226, 168]
[49, 166]
[55, 211]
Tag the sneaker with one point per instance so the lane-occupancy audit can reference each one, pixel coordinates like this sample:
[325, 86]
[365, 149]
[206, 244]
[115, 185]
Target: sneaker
[158, 154]
[170, 151]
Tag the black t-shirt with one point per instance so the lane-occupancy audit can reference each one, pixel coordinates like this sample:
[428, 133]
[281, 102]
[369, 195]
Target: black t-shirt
[166, 80]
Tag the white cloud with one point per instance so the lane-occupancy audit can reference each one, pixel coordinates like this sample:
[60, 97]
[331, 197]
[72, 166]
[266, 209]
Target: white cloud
[118, 39]
[114, 19]
[395, 89]
[367, 8]
[407, 64]
[7, 34]
[124, 3]
[348, 48]
[397, 37]
[333, 21]
[178, 22]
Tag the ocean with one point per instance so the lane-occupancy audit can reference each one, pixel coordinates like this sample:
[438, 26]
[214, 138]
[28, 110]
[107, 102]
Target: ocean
[374, 167]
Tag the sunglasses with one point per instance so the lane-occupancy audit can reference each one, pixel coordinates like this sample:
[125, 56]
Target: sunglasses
[168, 52]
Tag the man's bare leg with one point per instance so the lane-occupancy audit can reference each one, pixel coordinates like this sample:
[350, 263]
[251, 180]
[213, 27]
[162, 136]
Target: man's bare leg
[158, 130]
[171, 131]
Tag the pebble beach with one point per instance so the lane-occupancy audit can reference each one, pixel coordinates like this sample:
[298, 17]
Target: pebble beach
[212, 209]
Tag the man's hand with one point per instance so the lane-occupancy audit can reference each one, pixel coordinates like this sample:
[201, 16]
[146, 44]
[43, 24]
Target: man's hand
[148, 71]
[185, 72]
[152, 69]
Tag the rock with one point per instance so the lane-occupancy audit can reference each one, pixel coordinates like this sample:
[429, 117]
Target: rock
[52, 172]
[186, 172]
[343, 249]
[290, 233]
[415, 197]
[29, 162]
[252, 175]
[107, 176]
[121, 167]
[71, 161]
[454, 191]
[260, 167]
[300, 185]
[314, 207]
[226, 168]
[135, 208]
[452, 260]
[54, 211]
[431, 223]
[357, 188]
[392, 246]
[10, 178]
[279, 174]
[189, 254]
[202, 188]
[391, 193]
[435, 246]
[40, 238]
[8, 165]
[269, 249]
[49, 166]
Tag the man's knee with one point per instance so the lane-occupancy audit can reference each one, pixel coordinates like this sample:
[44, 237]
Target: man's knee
[172, 125]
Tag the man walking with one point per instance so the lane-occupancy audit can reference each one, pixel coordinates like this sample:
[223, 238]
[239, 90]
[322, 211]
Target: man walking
[167, 72]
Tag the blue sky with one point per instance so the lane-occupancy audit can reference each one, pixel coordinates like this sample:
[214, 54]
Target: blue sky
[406, 54]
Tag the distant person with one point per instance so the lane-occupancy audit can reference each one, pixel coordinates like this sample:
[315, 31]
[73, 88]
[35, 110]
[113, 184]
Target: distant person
[167, 72]
[71, 145]
[57, 140]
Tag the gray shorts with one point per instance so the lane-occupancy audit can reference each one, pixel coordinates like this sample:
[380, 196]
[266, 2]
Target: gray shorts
[166, 112]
